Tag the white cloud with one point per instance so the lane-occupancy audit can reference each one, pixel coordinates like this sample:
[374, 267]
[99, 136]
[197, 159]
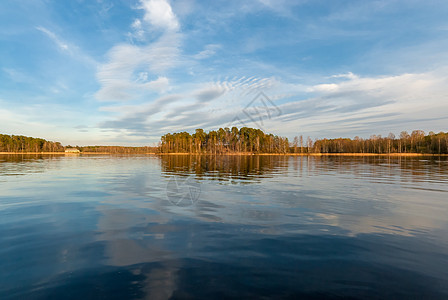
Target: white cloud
[161, 84]
[210, 93]
[120, 77]
[325, 87]
[348, 75]
[132, 71]
[205, 104]
[160, 14]
[138, 33]
[370, 105]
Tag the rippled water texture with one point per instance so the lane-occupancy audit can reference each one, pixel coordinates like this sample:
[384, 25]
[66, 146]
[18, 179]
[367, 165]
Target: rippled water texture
[124, 227]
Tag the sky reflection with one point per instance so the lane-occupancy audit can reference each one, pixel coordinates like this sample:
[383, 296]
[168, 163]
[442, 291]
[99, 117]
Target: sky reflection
[102, 226]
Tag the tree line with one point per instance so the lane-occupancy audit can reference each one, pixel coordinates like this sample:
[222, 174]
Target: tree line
[253, 140]
[415, 142]
[250, 140]
[20, 143]
[224, 140]
[117, 149]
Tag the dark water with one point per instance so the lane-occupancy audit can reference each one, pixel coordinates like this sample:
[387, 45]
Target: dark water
[111, 227]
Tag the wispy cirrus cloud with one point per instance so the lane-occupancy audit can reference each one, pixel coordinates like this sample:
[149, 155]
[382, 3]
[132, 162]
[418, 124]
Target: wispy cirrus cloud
[355, 104]
[203, 104]
[18, 76]
[134, 71]
[67, 47]
[60, 43]
[208, 51]
[400, 102]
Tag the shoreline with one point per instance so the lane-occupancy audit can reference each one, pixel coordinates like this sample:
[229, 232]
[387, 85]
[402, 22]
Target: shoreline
[309, 154]
[64, 153]
[230, 154]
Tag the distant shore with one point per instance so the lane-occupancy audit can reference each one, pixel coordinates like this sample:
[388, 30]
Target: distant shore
[228, 154]
[70, 153]
[310, 154]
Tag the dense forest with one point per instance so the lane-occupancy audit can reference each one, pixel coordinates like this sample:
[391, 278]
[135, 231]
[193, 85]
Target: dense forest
[224, 141]
[416, 142]
[117, 149]
[256, 141]
[250, 140]
[20, 143]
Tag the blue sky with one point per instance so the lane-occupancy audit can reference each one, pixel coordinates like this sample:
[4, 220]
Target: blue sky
[126, 72]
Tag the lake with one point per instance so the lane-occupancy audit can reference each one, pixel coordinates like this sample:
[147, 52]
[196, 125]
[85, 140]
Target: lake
[204, 227]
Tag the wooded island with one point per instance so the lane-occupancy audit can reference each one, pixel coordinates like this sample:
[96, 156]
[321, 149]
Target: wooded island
[249, 141]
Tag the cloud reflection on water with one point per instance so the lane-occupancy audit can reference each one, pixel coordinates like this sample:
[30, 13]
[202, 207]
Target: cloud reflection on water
[332, 225]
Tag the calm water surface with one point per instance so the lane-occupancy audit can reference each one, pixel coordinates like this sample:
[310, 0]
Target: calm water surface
[125, 227]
